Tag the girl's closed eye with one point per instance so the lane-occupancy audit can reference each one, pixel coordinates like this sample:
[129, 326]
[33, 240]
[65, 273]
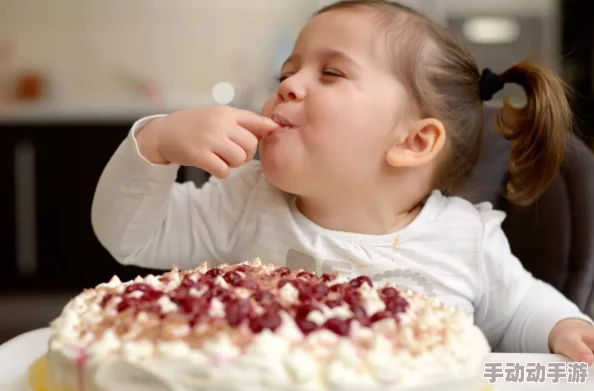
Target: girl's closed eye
[328, 73]
[282, 78]
[332, 73]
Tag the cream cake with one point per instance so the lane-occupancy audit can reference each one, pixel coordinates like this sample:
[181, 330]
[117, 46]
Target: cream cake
[259, 327]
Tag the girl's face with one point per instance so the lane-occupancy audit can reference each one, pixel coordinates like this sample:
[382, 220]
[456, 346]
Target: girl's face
[340, 106]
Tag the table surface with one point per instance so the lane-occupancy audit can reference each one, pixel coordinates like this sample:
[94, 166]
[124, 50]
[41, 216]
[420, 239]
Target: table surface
[17, 354]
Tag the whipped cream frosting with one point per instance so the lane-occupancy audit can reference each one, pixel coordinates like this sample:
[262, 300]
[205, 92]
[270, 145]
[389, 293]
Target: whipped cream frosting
[326, 333]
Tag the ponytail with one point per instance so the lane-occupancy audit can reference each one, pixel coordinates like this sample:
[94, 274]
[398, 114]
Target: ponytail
[538, 131]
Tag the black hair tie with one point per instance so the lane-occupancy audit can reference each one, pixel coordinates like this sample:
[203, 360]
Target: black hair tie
[490, 84]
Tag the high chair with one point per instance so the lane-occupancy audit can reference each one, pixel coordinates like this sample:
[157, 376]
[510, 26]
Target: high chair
[554, 237]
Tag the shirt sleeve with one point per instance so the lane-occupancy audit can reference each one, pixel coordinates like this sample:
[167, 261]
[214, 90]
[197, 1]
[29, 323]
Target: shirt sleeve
[144, 218]
[516, 311]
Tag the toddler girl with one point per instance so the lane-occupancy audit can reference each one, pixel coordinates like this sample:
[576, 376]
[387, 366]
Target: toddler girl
[376, 122]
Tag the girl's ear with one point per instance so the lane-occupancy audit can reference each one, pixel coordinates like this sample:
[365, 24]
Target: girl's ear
[423, 142]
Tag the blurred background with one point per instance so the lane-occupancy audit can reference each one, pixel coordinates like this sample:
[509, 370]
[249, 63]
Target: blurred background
[75, 74]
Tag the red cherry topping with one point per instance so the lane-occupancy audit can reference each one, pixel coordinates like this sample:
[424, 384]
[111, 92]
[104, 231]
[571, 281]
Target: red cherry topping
[187, 282]
[106, 299]
[204, 281]
[219, 292]
[152, 295]
[352, 296]
[396, 304]
[338, 326]
[137, 287]
[320, 291]
[357, 282]
[266, 299]
[309, 291]
[178, 294]
[263, 297]
[273, 306]
[339, 288]
[245, 269]
[248, 284]
[149, 293]
[268, 320]
[197, 318]
[328, 277]
[214, 272]
[380, 315]
[194, 305]
[306, 326]
[360, 316]
[237, 311]
[282, 283]
[312, 291]
[282, 271]
[306, 292]
[232, 277]
[303, 310]
[358, 310]
[334, 303]
[126, 303]
[305, 274]
[389, 292]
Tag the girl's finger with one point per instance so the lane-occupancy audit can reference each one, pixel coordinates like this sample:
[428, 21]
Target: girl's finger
[212, 164]
[576, 350]
[230, 152]
[245, 140]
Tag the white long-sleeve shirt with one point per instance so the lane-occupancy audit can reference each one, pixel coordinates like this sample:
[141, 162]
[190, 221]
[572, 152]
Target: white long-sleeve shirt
[453, 250]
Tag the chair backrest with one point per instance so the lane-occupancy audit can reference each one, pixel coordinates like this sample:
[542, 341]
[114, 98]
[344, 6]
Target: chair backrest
[554, 237]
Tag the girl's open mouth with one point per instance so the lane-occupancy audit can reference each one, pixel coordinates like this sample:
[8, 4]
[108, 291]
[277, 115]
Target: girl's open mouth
[284, 125]
[282, 121]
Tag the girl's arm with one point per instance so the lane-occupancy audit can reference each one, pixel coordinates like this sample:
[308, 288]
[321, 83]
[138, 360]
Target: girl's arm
[144, 218]
[516, 311]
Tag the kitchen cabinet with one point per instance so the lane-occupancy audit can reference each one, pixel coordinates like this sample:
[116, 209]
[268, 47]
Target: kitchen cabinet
[49, 172]
[7, 210]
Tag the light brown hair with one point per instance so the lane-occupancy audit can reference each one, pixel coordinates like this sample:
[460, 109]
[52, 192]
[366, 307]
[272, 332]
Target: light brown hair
[444, 81]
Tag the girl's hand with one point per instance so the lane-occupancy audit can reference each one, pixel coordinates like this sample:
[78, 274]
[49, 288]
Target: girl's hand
[212, 138]
[574, 339]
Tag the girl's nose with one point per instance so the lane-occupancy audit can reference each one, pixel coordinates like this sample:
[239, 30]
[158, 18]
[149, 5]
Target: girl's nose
[291, 89]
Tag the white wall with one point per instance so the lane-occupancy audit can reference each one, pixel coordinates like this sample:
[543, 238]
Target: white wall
[95, 50]
[90, 48]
